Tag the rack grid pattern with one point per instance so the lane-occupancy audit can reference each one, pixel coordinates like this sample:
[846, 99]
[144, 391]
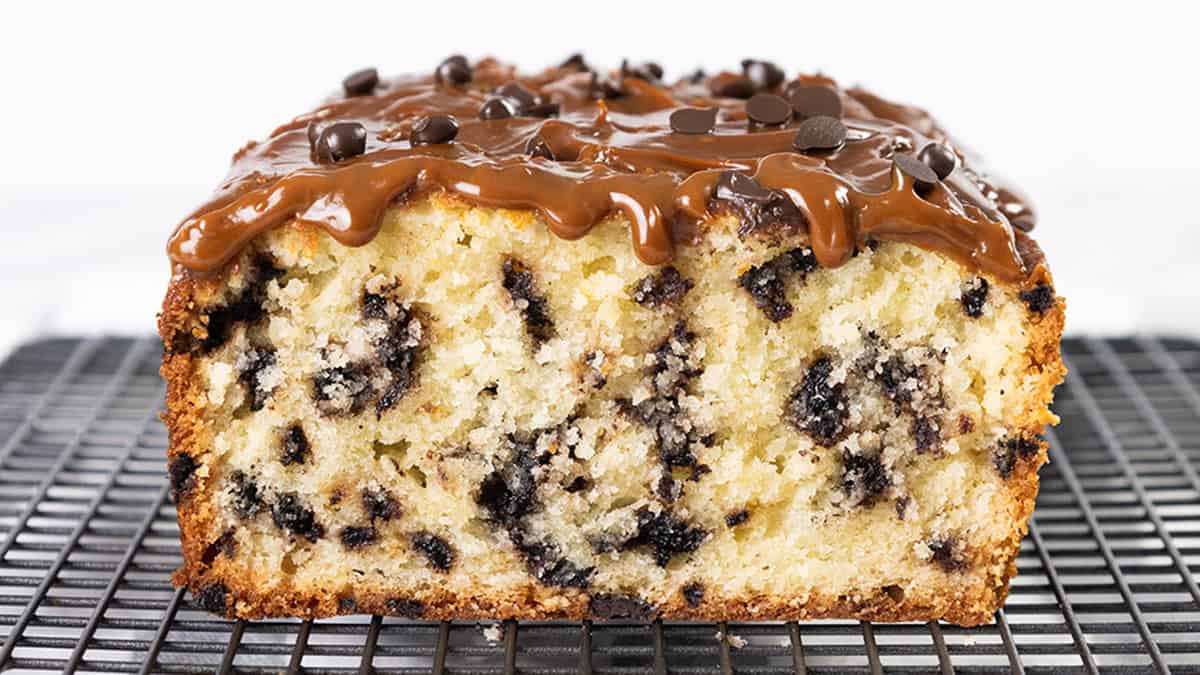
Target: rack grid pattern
[1107, 583]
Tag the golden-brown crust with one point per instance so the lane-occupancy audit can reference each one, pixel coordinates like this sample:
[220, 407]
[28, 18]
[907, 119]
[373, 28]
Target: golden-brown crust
[966, 599]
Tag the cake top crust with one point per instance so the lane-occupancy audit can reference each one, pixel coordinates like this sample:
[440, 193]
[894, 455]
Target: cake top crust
[576, 144]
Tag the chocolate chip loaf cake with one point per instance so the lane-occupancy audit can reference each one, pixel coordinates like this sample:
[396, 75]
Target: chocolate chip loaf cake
[587, 344]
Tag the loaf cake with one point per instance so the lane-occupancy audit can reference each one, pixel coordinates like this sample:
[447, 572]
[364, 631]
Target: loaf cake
[594, 344]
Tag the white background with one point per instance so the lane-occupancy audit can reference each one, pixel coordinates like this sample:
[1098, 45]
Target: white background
[116, 119]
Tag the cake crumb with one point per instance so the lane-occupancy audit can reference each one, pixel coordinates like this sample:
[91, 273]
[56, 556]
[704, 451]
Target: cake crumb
[493, 633]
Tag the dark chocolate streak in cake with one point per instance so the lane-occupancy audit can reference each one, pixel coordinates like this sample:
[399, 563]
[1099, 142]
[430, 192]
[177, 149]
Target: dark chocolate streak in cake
[614, 154]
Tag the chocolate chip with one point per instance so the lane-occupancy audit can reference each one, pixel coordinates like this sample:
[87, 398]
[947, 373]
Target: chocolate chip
[819, 133]
[340, 141]
[697, 76]
[666, 535]
[759, 207]
[948, 553]
[611, 606]
[574, 62]
[247, 497]
[253, 365]
[974, 297]
[536, 147]
[666, 287]
[1039, 298]
[182, 469]
[736, 518]
[768, 109]
[498, 108]
[524, 98]
[405, 607]
[864, 477]
[454, 70]
[314, 132]
[647, 70]
[764, 74]
[546, 564]
[342, 389]
[291, 514]
[814, 101]
[211, 598]
[819, 406]
[732, 86]
[543, 110]
[226, 545]
[361, 83]
[357, 537]
[435, 549]
[923, 177]
[374, 306]
[939, 158]
[693, 594]
[380, 504]
[736, 185]
[295, 446]
[1013, 450]
[693, 120]
[433, 129]
[529, 301]
[601, 86]
[925, 434]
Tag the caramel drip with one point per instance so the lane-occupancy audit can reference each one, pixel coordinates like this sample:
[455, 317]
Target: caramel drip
[616, 155]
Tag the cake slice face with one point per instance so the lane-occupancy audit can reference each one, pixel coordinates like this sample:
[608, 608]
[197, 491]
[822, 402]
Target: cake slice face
[823, 399]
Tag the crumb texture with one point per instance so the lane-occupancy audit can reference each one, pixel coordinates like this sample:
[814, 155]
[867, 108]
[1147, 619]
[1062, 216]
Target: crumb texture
[468, 417]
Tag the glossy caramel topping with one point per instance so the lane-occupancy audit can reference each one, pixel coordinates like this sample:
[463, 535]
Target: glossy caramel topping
[577, 146]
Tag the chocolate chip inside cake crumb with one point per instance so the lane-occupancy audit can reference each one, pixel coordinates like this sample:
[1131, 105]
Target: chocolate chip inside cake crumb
[436, 550]
[673, 368]
[408, 608]
[354, 537]
[948, 553]
[1011, 451]
[245, 308]
[519, 282]
[247, 498]
[818, 406]
[342, 389]
[766, 282]
[182, 470]
[693, 594]
[735, 518]
[293, 515]
[666, 535]
[212, 598]
[925, 434]
[259, 374]
[379, 504]
[1038, 299]
[295, 446]
[226, 545]
[974, 297]
[864, 477]
[613, 606]
[665, 287]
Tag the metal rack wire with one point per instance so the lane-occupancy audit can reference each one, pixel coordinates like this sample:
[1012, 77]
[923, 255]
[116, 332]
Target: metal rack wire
[1108, 573]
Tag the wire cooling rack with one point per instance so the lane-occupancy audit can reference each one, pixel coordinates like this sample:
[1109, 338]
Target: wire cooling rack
[1108, 573]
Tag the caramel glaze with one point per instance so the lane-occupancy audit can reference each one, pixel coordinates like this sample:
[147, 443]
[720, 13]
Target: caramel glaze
[616, 154]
